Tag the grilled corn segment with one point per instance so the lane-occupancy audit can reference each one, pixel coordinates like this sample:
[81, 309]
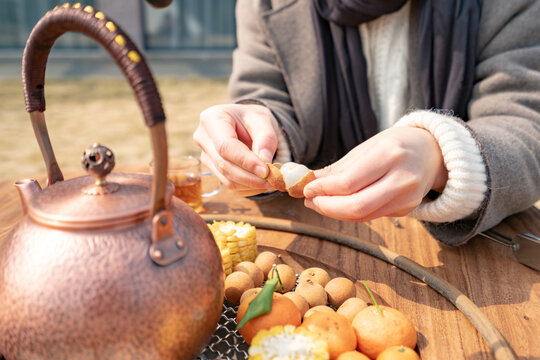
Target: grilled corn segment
[288, 343]
[236, 241]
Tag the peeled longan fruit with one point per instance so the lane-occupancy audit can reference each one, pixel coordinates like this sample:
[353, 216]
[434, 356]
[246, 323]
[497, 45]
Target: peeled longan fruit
[316, 309]
[299, 301]
[252, 270]
[315, 274]
[265, 260]
[235, 285]
[249, 292]
[286, 275]
[312, 292]
[290, 177]
[351, 307]
[339, 289]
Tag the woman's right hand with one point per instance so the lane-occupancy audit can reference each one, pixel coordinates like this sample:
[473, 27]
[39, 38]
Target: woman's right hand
[237, 140]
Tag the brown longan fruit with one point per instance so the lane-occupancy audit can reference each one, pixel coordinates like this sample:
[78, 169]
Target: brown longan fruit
[316, 309]
[351, 307]
[286, 275]
[299, 301]
[252, 270]
[235, 285]
[312, 292]
[317, 275]
[249, 292]
[265, 260]
[339, 289]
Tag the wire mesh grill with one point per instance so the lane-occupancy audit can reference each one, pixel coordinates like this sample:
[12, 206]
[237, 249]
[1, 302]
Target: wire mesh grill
[226, 342]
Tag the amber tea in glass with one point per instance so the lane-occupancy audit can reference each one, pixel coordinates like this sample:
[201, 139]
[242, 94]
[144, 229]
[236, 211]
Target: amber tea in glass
[186, 175]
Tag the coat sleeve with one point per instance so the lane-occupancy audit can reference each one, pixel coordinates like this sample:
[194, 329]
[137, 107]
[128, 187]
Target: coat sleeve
[504, 115]
[257, 76]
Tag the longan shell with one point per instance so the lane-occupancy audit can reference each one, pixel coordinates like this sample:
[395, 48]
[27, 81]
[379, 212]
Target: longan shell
[339, 289]
[299, 301]
[297, 190]
[252, 270]
[275, 178]
[312, 292]
[249, 292]
[351, 307]
[265, 260]
[315, 274]
[235, 285]
[286, 275]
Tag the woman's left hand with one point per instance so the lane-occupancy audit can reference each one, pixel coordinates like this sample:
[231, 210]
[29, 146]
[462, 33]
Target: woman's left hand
[387, 175]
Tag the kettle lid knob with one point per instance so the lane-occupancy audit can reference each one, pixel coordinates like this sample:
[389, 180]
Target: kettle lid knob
[98, 161]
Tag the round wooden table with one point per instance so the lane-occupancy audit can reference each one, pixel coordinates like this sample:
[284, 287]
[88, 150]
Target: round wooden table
[507, 292]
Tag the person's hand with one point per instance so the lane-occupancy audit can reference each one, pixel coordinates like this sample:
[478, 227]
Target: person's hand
[237, 141]
[387, 175]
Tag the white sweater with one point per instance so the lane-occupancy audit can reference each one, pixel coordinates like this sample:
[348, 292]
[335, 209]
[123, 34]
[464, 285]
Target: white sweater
[385, 46]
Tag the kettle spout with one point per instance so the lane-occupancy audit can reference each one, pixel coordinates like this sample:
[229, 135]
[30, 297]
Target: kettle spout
[27, 188]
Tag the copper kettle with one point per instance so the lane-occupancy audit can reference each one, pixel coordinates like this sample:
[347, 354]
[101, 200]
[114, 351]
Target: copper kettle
[109, 265]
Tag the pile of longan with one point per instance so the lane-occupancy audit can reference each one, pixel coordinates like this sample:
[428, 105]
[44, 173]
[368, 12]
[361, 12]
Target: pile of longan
[315, 290]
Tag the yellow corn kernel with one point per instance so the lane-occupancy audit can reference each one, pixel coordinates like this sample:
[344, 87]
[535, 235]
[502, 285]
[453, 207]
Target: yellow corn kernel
[239, 238]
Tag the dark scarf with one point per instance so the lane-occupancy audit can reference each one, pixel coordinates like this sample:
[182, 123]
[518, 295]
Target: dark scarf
[447, 49]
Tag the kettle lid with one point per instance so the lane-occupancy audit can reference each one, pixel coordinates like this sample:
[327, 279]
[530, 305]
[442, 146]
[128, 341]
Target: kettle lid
[81, 204]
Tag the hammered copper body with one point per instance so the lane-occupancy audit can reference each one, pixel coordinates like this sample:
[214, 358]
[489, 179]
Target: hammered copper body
[107, 268]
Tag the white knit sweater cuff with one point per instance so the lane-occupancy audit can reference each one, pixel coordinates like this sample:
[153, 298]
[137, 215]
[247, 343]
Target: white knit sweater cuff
[283, 152]
[467, 179]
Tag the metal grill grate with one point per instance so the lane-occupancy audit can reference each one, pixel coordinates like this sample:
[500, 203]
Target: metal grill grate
[226, 342]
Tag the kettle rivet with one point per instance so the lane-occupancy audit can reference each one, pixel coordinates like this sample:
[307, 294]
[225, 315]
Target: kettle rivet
[158, 254]
[163, 221]
[179, 244]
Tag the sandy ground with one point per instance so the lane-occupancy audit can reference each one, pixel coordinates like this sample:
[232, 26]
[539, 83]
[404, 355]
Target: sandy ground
[83, 111]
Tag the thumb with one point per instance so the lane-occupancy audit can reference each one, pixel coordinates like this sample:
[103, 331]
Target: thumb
[317, 187]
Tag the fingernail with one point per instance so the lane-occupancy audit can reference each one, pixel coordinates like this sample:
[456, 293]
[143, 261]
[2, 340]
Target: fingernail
[309, 193]
[308, 203]
[265, 155]
[260, 171]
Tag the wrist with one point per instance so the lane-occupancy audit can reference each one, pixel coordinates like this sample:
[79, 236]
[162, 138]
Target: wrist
[463, 182]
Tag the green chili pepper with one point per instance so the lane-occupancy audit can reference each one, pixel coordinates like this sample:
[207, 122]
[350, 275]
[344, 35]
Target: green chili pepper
[262, 303]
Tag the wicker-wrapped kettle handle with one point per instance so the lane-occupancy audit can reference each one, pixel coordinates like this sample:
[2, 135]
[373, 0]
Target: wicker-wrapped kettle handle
[95, 24]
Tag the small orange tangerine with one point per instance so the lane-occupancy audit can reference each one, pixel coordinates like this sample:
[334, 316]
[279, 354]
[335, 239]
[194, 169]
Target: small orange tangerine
[284, 312]
[398, 352]
[376, 332]
[335, 329]
[352, 355]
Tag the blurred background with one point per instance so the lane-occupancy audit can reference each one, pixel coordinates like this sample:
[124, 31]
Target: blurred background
[187, 45]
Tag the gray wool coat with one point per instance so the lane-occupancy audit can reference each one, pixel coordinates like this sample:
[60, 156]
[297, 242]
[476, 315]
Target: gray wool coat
[277, 63]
